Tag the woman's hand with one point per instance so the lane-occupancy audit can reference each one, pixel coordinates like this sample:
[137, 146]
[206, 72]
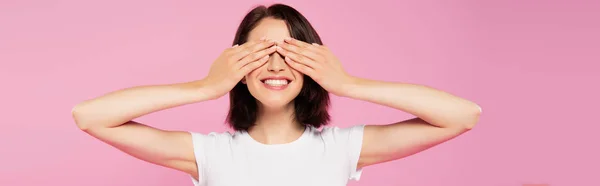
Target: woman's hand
[234, 63]
[317, 62]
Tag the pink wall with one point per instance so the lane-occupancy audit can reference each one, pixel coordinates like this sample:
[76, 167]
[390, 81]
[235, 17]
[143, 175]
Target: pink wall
[529, 64]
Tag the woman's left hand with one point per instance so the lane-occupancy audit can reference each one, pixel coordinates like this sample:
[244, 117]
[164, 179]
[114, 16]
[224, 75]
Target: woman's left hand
[317, 62]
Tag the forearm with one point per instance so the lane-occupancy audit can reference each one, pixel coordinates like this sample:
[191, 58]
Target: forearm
[118, 107]
[433, 106]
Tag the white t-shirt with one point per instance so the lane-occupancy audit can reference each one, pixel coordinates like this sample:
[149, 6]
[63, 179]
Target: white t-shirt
[317, 158]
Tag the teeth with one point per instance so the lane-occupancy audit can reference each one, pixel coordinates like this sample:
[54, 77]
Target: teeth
[276, 82]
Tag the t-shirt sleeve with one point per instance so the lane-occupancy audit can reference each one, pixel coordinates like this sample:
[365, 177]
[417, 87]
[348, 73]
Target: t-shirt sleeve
[199, 141]
[354, 146]
[350, 139]
[206, 147]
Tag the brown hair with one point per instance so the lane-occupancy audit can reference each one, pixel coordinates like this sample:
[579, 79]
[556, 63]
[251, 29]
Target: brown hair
[313, 101]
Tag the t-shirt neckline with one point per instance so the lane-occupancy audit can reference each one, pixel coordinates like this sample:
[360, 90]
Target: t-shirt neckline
[281, 145]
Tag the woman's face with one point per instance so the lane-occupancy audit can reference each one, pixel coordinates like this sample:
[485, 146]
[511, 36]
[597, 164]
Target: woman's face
[274, 84]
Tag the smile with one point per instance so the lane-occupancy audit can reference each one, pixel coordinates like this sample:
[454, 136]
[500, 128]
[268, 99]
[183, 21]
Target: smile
[276, 83]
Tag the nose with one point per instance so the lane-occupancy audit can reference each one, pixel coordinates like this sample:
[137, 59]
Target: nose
[276, 63]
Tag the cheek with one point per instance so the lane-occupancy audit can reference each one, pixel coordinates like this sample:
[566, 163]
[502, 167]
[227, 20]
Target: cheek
[252, 75]
[299, 80]
[298, 75]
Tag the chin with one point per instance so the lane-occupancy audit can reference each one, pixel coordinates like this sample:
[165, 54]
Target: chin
[275, 99]
[274, 96]
[274, 102]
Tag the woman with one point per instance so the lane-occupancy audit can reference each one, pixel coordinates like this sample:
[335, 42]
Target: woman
[278, 75]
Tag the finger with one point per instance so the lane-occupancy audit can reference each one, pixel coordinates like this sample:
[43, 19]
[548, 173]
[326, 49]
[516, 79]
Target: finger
[237, 47]
[305, 51]
[249, 43]
[321, 48]
[314, 47]
[256, 56]
[254, 65]
[243, 51]
[296, 42]
[300, 67]
[317, 46]
[231, 49]
[297, 57]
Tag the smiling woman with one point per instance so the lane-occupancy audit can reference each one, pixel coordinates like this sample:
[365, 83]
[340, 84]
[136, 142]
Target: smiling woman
[279, 76]
[310, 101]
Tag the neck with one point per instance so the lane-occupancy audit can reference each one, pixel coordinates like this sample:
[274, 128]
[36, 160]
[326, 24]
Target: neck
[276, 125]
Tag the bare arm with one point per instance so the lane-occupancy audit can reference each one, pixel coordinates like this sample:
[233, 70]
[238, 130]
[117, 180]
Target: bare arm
[110, 117]
[440, 117]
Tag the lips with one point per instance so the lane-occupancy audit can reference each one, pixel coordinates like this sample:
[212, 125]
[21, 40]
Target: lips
[276, 82]
[275, 79]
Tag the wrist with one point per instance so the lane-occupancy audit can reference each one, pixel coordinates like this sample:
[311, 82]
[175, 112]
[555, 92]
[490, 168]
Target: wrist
[350, 87]
[199, 90]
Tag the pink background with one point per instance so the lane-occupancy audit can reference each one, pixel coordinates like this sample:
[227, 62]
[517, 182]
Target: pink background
[529, 64]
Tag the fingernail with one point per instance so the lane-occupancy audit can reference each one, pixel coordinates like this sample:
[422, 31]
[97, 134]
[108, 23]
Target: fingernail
[234, 46]
[315, 44]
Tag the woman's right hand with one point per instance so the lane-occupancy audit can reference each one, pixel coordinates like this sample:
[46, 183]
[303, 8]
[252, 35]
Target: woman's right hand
[235, 63]
[110, 117]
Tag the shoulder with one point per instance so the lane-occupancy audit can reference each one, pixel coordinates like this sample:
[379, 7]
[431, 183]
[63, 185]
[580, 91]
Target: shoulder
[342, 132]
[211, 135]
[341, 135]
[207, 148]
[348, 141]
[211, 139]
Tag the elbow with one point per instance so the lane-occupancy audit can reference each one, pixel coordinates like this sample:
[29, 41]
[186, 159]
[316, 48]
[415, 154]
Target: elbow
[78, 116]
[462, 121]
[473, 118]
